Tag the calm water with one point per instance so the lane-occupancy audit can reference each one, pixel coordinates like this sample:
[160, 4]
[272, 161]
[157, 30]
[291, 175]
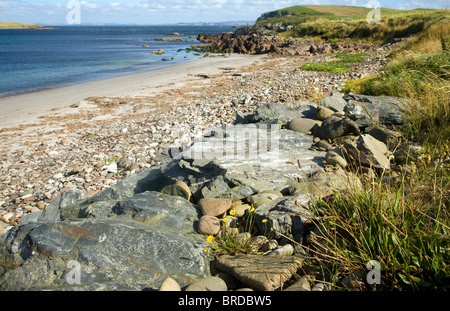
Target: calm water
[34, 59]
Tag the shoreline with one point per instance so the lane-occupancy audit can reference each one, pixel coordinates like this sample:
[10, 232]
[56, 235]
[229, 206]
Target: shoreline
[27, 108]
[91, 136]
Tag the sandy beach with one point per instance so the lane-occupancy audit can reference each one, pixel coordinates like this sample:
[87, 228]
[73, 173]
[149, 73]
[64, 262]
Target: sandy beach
[26, 108]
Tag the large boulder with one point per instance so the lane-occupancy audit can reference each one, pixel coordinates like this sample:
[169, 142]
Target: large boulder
[282, 113]
[334, 127]
[253, 156]
[367, 151]
[116, 244]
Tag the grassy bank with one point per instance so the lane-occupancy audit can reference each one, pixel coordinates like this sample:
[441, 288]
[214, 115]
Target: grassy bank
[401, 220]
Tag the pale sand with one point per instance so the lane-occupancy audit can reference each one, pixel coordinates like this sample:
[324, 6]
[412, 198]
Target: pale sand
[28, 108]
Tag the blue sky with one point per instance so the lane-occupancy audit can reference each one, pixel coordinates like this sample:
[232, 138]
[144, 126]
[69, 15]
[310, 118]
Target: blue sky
[48, 12]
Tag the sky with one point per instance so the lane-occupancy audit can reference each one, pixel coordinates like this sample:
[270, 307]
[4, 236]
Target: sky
[154, 12]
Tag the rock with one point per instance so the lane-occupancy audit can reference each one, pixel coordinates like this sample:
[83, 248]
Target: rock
[257, 242]
[265, 273]
[262, 198]
[170, 285]
[124, 163]
[111, 254]
[7, 217]
[238, 162]
[322, 113]
[389, 137]
[209, 225]
[275, 192]
[285, 250]
[269, 246]
[335, 102]
[52, 212]
[301, 285]
[334, 127]
[41, 205]
[211, 284]
[319, 287]
[177, 190]
[214, 206]
[385, 110]
[323, 145]
[282, 113]
[285, 216]
[242, 237]
[359, 114]
[367, 151]
[335, 159]
[112, 168]
[241, 210]
[323, 184]
[303, 125]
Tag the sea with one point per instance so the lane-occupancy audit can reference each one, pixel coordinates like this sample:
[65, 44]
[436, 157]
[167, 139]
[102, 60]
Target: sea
[36, 59]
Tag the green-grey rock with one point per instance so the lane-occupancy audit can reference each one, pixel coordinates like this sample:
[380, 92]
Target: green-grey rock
[210, 284]
[175, 190]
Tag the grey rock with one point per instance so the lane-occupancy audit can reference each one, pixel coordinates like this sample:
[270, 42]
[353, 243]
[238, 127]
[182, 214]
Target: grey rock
[175, 190]
[359, 114]
[389, 137]
[303, 125]
[333, 158]
[368, 151]
[300, 286]
[111, 254]
[386, 110]
[334, 127]
[269, 246]
[259, 163]
[323, 145]
[285, 215]
[335, 102]
[282, 113]
[52, 212]
[324, 183]
[285, 250]
[322, 113]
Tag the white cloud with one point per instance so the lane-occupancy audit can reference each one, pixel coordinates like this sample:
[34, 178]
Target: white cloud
[170, 11]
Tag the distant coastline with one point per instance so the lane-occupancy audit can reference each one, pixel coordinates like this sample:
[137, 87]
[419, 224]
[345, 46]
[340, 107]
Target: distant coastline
[12, 25]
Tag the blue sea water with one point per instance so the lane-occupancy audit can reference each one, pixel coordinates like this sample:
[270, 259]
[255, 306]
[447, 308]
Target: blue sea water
[35, 59]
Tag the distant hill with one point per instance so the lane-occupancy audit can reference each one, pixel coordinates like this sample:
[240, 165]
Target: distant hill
[11, 25]
[302, 13]
[230, 23]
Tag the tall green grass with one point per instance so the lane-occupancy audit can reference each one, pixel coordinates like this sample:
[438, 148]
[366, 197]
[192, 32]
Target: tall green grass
[403, 224]
[421, 75]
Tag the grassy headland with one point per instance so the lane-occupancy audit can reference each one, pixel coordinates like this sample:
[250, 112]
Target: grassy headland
[11, 25]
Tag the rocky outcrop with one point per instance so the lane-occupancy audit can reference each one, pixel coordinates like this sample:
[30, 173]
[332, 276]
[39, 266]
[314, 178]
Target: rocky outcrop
[263, 39]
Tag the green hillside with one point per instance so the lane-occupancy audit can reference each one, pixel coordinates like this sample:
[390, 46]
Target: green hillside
[11, 25]
[336, 22]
